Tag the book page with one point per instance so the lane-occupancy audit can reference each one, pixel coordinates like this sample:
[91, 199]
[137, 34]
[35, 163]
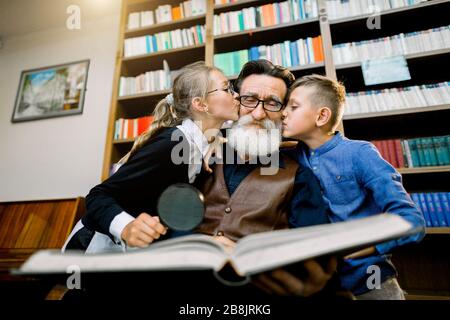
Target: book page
[183, 253]
[266, 251]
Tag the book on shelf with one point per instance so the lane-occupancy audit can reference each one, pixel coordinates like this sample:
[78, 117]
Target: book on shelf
[341, 9]
[252, 254]
[288, 54]
[270, 14]
[131, 128]
[418, 152]
[150, 81]
[400, 44]
[398, 98]
[166, 13]
[434, 207]
[167, 40]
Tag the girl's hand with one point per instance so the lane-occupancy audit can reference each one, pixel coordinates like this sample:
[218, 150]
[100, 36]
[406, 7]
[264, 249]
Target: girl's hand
[215, 148]
[142, 231]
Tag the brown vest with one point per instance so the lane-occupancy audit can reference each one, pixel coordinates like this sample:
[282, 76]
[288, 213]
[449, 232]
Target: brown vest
[258, 204]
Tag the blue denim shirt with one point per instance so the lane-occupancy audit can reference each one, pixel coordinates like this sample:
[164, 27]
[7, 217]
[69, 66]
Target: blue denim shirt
[357, 182]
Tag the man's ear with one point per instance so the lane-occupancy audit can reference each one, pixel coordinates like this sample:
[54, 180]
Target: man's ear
[323, 116]
[197, 104]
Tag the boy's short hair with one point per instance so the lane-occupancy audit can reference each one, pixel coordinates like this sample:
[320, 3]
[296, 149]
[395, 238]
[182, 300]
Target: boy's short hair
[328, 93]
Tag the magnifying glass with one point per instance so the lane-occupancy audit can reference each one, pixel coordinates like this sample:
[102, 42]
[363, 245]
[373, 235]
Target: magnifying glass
[181, 207]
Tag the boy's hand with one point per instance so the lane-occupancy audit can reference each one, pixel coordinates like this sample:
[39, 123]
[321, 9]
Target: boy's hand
[362, 253]
[142, 231]
[282, 282]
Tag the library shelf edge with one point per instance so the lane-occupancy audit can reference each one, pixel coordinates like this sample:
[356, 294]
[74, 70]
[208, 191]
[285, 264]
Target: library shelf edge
[268, 28]
[386, 12]
[129, 33]
[438, 230]
[408, 56]
[144, 95]
[396, 112]
[419, 170]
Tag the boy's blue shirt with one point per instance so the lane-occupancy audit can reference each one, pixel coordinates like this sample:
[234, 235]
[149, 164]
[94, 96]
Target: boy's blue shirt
[357, 182]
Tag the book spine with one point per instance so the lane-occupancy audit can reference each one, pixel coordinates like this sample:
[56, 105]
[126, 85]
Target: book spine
[424, 207]
[439, 210]
[432, 210]
[445, 201]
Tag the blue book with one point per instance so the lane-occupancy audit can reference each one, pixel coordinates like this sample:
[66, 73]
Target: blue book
[254, 53]
[423, 206]
[155, 44]
[301, 6]
[147, 44]
[294, 54]
[415, 198]
[439, 210]
[445, 203]
[432, 210]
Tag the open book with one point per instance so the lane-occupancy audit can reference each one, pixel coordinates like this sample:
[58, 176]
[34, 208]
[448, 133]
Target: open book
[252, 254]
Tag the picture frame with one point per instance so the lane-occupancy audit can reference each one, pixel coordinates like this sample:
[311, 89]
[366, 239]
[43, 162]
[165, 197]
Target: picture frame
[53, 91]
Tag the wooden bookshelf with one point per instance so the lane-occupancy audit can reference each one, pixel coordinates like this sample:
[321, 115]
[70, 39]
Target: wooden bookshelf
[410, 56]
[177, 24]
[264, 29]
[388, 12]
[396, 112]
[144, 95]
[444, 230]
[419, 170]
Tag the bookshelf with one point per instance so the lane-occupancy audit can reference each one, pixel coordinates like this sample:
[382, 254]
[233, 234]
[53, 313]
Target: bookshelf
[424, 121]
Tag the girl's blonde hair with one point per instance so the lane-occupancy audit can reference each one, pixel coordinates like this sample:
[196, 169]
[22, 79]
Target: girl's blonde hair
[191, 82]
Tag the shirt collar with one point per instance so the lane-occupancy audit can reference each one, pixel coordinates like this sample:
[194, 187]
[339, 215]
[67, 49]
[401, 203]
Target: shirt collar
[192, 131]
[330, 144]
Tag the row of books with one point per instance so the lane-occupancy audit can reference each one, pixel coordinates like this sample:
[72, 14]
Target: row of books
[164, 41]
[398, 98]
[418, 152]
[166, 13]
[401, 44]
[131, 128]
[348, 8]
[147, 82]
[435, 208]
[288, 53]
[264, 16]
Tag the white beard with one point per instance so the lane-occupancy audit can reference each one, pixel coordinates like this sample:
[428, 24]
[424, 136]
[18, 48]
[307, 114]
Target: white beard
[249, 141]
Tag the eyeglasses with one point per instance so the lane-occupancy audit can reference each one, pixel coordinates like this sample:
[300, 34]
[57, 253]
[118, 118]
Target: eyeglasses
[228, 89]
[252, 102]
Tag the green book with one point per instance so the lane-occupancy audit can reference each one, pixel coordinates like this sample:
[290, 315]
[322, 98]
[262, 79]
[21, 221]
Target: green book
[428, 151]
[421, 152]
[243, 59]
[241, 21]
[412, 143]
[439, 147]
[200, 36]
[447, 149]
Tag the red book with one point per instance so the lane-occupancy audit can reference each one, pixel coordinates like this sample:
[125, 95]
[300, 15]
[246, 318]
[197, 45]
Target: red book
[385, 150]
[399, 153]
[144, 123]
[392, 153]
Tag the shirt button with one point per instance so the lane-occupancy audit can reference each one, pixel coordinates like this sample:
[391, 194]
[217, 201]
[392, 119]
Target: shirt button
[227, 210]
[314, 168]
[338, 177]
[220, 233]
[312, 153]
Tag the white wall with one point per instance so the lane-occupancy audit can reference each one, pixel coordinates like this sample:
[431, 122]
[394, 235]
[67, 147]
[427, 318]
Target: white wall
[60, 157]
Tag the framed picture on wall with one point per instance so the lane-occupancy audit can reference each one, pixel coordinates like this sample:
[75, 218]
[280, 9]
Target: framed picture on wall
[49, 92]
